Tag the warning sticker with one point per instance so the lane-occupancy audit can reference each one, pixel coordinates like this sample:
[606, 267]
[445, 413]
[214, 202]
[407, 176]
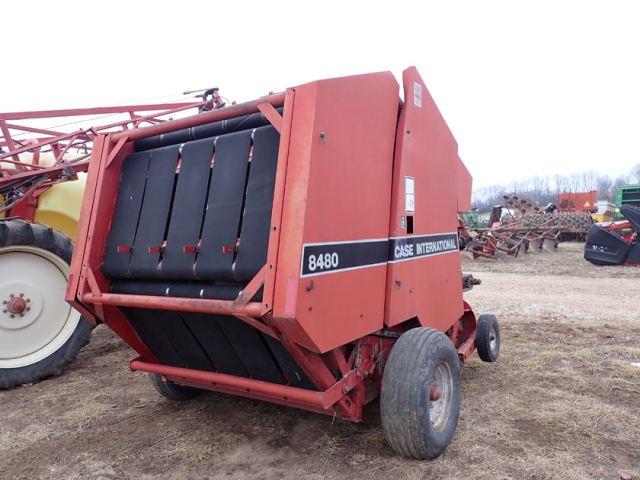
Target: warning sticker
[417, 94]
[409, 195]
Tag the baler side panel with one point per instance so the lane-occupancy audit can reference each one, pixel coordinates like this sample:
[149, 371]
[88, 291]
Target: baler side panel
[337, 190]
[423, 279]
[465, 183]
[301, 128]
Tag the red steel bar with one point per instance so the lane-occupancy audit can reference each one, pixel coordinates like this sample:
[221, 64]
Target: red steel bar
[25, 128]
[75, 166]
[43, 143]
[77, 112]
[7, 136]
[95, 130]
[250, 387]
[197, 305]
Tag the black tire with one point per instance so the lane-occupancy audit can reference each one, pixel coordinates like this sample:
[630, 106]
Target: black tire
[405, 404]
[488, 338]
[172, 390]
[21, 233]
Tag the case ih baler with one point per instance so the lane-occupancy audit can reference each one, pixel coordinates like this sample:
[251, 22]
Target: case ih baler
[300, 248]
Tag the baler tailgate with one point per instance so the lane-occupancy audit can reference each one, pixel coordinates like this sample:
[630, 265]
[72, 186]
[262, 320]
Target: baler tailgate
[208, 221]
[192, 220]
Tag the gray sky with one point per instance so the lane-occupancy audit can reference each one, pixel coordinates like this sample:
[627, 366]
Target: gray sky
[528, 88]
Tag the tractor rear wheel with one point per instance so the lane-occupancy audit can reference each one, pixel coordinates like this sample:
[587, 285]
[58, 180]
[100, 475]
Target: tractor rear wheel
[488, 338]
[421, 394]
[40, 334]
[172, 390]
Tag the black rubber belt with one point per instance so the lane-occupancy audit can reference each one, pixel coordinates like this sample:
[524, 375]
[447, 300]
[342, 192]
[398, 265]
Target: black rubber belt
[224, 207]
[245, 122]
[153, 335]
[205, 328]
[171, 325]
[154, 213]
[232, 346]
[251, 349]
[295, 375]
[126, 214]
[256, 219]
[188, 207]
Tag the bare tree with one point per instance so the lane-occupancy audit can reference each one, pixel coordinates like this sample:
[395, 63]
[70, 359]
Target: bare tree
[543, 190]
[635, 173]
[589, 181]
[603, 185]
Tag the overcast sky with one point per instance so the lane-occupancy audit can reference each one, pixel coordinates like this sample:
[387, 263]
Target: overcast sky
[528, 88]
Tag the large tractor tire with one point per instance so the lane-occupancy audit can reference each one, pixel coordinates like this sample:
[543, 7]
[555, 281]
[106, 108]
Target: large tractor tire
[40, 334]
[421, 394]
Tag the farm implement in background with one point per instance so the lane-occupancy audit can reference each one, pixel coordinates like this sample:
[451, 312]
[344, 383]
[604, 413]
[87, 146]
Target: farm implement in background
[42, 181]
[615, 243]
[518, 226]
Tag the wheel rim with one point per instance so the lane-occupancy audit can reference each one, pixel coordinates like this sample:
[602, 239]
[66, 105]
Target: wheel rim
[35, 320]
[440, 396]
[493, 339]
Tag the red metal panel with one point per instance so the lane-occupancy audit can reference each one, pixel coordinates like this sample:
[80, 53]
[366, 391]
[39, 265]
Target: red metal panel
[429, 288]
[578, 201]
[337, 189]
[82, 236]
[465, 182]
[278, 198]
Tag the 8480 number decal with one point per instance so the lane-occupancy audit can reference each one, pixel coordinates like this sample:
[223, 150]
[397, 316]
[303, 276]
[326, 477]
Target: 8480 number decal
[323, 261]
[321, 258]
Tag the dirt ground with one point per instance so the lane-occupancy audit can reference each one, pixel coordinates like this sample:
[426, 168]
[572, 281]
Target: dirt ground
[563, 401]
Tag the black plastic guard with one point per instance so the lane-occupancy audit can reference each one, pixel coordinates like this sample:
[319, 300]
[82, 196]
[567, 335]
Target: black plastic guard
[604, 247]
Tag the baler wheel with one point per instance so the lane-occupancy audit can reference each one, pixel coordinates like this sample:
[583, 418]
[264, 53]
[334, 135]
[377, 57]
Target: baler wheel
[488, 338]
[40, 334]
[421, 394]
[172, 390]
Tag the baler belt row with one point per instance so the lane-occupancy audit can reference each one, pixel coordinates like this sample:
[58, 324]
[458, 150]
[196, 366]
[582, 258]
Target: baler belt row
[217, 343]
[213, 129]
[186, 226]
[175, 234]
[208, 342]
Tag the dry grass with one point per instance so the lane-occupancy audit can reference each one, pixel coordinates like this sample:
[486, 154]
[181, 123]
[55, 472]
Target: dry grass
[562, 402]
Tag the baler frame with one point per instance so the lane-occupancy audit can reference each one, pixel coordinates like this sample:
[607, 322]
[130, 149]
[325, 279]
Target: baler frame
[88, 291]
[59, 143]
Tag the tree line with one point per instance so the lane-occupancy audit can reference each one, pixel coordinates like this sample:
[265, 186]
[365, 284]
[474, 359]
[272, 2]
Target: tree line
[545, 190]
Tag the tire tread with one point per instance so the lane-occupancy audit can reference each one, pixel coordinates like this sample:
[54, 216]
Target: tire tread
[401, 399]
[483, 337]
